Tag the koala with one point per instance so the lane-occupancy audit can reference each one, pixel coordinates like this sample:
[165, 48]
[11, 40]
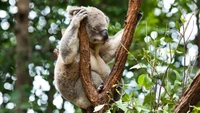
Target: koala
[102, 48]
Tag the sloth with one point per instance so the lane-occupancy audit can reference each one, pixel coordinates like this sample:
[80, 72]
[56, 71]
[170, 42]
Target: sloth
[102, 50]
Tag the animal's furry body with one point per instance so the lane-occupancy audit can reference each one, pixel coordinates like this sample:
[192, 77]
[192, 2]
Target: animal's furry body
[102, 47]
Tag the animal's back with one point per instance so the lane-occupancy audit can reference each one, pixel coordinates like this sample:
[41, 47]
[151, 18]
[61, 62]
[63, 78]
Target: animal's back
[68, 80]
[69, 84]
[66, 76]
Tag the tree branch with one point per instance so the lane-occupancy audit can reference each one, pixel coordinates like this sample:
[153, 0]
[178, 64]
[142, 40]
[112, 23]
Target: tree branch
[131, 21]
[85, 68]
[23, 53]
[118, 68]
[191, 96]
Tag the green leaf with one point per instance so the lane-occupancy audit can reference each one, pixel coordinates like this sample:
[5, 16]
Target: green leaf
[168, 39]
[179, 52]
[122, 106]
[144, 80]
[149, 99]
[178, 76]
[108, 111]
[148, 82]
[166, 107]
[170, 51]
[196, 108]
[168, 87]
[177, 26]
[126, 97]
[177, 85]
[142, 108]
[182, 20]
[141, 80]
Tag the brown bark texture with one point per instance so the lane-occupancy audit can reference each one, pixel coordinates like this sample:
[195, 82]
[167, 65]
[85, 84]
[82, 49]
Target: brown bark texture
[120, 60]
[85, 68]
[22, 53]
[190, 98]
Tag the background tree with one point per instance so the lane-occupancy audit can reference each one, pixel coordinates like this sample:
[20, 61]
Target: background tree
[161, 19]
[23, 48]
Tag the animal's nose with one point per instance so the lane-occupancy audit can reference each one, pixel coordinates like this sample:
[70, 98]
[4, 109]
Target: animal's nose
[104, 34]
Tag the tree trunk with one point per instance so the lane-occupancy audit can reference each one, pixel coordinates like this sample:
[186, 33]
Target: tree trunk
[197, 40]
[95, 98]
[22, 54]
[191, 97]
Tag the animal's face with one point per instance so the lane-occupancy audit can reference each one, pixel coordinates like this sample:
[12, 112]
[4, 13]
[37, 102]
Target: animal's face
[97, 25]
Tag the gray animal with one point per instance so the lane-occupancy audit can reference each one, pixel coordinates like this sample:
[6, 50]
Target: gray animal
[102, 48]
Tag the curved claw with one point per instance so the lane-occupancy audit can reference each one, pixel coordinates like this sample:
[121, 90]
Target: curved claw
[100, 88]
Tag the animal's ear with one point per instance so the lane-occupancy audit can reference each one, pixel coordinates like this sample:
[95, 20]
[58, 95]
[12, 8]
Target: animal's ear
[107, 20]
[71, 11]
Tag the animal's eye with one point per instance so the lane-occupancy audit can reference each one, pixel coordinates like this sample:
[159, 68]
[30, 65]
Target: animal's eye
[94, 29]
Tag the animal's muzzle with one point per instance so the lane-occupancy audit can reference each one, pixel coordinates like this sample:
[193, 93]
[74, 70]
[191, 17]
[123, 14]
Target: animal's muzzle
[104, 34]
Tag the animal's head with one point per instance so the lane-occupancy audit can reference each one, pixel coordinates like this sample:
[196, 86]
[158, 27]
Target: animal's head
[97, 23]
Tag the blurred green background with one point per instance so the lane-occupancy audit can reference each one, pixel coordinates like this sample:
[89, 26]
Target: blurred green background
[155, 41]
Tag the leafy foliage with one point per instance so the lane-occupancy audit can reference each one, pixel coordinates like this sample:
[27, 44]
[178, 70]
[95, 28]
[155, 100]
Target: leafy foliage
[159, 66]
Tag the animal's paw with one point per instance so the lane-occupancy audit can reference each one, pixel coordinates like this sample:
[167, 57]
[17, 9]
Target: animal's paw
[79, 15]
[139, 14]
[100, 88]
[56, 52]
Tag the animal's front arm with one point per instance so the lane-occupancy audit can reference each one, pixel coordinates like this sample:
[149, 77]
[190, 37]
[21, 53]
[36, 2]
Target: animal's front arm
[109, 49]
[70, 43]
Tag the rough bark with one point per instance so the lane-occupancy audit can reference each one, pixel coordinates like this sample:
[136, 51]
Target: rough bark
[22, 53]
[85, 68]
[133, 16]
[117, 70]
[197, 40]
[191, 97]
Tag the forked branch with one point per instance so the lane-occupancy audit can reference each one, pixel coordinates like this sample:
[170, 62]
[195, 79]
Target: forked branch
[131, 21]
